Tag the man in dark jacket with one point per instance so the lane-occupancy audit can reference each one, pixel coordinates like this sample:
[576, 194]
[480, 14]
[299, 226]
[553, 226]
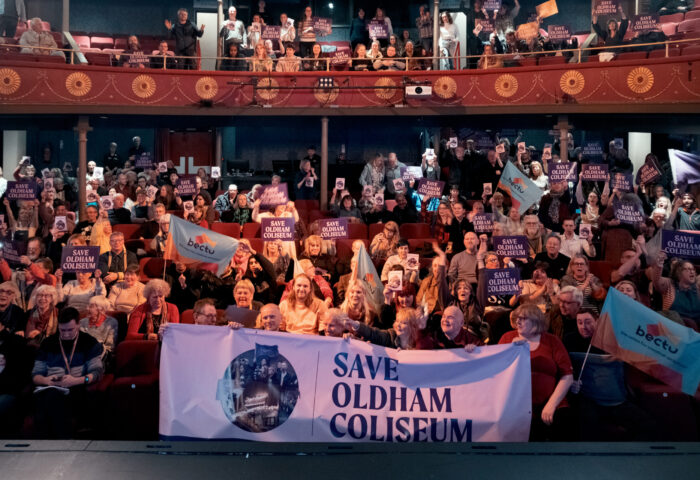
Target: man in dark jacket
[185, 33]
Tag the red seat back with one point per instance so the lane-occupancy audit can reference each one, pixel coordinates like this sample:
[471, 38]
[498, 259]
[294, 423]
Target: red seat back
[101, 42]
[632, 56]
[344, 246]
[374, 229]
[552, 60]
[691, 50]
[136, 357]
[187, 316]
[130, 230]
[357, 230]
[673, 18]
[691, 15]
[151, 267]
[602, 269]
[83, 41]
[307, 205]
[231, 229]
[415, 230]
[251, 230]
[692, 25]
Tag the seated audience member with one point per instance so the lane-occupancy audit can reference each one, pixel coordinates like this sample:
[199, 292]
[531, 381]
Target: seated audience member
[572, 245]
[126, 294]
[323, 261]
[289, 62]
[77, 293]
[333, 323]
[562, 318]
[552, 374]
[146, 320]
[158, 244]
[360, 62]
[234, 61]
[404, 334]
[72, 372]
[42, 318]
[261, 61]
[600, 394]
[301, 310]
[357, 304]
[404, 211]
[227, 200]
[119, 214]
[390, 61]
[453, 333]
[204, 312]
[557, 263]
[540, 290]
[163, 58]
[315, 62]
[681, 289]
[143, 210]
[241, 213]
[243, 294]
[36, 36]
[433, 288]
[15, 368]
[280, 261]
[103, 328]
[579, 276]
[113, 264]
[384, 244]
[12, 317]
[489, 60]
[270, 318]
[400, 258]
[133, 56]
[346, 208]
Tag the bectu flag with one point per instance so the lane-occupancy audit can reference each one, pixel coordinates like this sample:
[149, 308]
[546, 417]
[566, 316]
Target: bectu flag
[684, 166]
[190, 243]
[523, 191]
[649, 341]
[367, 273]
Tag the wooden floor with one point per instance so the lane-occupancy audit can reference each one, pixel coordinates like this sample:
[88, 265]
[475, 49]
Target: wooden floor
[105, 460]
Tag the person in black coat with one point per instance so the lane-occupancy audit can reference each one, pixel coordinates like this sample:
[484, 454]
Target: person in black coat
[234, 62]
[185, 33]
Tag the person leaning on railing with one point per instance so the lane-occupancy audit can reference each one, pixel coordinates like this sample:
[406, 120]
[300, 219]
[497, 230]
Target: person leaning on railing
[234, 61]
[261, 61]
[315, 62]
[359, 61]
[37, 37]
[133, 56]
[290, 62]
[489, 60]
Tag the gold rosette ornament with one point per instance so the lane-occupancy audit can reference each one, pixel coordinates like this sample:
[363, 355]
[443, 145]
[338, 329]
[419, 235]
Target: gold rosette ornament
[506, 85]
[445, 87]
[206, 88]
[268, 88]
[143, 86]
[640, 80]
[572, 82]
[78, 84]
[385, 93]
[9, 81]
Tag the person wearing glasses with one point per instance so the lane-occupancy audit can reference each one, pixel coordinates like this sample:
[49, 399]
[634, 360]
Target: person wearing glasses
[12, 317]
[385, 242]
[204, 312]
[578, 275]
[552, 373]
[680, 289]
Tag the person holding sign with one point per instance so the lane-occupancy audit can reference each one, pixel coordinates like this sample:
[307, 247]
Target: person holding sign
[232, 30]
[680, 289]
[77, 293]
[552, 374]
[27, 222]
[305, 181]
[346, 207]
[590, 211]
[612, 35]
[403, 334]
[381, 18]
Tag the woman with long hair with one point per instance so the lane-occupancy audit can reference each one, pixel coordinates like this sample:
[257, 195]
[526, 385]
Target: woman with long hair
[261, 61]
[359, 61]
[538, 176]
[384, 243]
[166, 196]
[357, 304]
[681, 289]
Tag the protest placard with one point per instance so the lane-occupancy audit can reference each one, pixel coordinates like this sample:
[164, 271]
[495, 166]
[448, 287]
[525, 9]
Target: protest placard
[606, 7]
[649, 173]
[60, 223]
[277, 228]
[187, 207]
[547, 9]
[309, 182]
[162, 167]
[339, 57]
[22, 190]
[682, 244]
[152, 191]
[399, 186]
[500, 148]
[453, 142]
[271, 32]
[585, 231]
[562, 172]
[621, 181]
[513, 246]
[430, 188]
[378, 29]
[340, 183]
[527, 31]
[48, 184]
[379, 199]
[627, 212]
[215, 172]
[491, 5]
[186, 186]
[12, 251]
[593, 150]
[645, 23]
[488, 188]
[618, 143]
[411, 173]
[502, 281]
[107, 202]
[547, 151]
[558, 33]
[273, 195]
[333, 228]
[484, 25]
[79, 259]
[413, 261]
[483, 222]
[521, 147]
[593, 172]
[395, 281]
[367, 191]
[322, 26]
[98, 172]
[145, 160]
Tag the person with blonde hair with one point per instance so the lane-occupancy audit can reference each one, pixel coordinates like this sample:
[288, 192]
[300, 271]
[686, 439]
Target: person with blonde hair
[384, 243]
[42, 318]
[12, 317]
[243, 293]
[403, 335]
[301, 310]
[313, 251]
[146, 320]
[358, 304]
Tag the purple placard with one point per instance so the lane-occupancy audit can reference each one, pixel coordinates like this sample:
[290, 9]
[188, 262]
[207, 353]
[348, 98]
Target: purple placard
[484, 141]
[644, 23]
[606, 7]
[681, 244]
[502, 281]
[627, 212]
[333, 228]
[483, 222]
[145, 160]
[322, 26]
[562, 172]
[649, 173]
[593, 150]
[491, 5]
[23, 190]
[80, 259]
[622, 182]
[271, 32]
[513, 246]
[594, 172]
[378, 29]
[340, 57]
[558, 33]
[12, 250]
[430, 188]
[487, 26]
[277, 228]
[273, 195]
[186, 186]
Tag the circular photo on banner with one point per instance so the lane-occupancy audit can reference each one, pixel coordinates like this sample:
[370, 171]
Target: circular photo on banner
[259, 389]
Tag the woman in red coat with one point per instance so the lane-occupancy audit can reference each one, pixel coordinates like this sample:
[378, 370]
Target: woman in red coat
[551, 370]
[148, 319]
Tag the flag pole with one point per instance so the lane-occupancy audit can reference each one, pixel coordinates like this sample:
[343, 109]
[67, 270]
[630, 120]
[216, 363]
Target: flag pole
[580, 374]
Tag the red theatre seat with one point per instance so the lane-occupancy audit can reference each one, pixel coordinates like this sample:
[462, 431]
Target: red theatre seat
[692, 15]
[691, 50]
[251, 230]
[83, 41]
[415, 230]
[692, 25]
[661, 52]
[130, 230]
[673, 18]
[187, 316]
[615, 241]
[51, 58]
[357, 230]
[101, 42]
[552, 60]
[150, 267]
[602, 269]
[231, 229]
[120, 43]
[374, 229]
[632, 56]
[133, 396]
[256, 244]
[307, 205]
[102, 59]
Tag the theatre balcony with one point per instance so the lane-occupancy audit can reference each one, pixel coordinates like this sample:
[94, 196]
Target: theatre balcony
[655, 78]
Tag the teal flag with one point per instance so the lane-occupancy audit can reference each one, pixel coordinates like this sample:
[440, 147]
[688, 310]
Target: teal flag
[649, 341]
[523, 191]
[190, 243]
[367, 273]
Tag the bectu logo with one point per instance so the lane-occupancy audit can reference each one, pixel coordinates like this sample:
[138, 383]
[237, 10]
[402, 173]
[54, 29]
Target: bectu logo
[655, 333]
[202, 242]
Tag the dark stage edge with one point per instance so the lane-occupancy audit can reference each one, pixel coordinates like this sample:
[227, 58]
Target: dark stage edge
[106, 460]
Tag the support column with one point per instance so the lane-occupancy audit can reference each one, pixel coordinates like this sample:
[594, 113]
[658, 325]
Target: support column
[83, 128]
[218, 150]
[219, 21]
[436, 33]
[65, 19]
[324, 163]
[564, 127]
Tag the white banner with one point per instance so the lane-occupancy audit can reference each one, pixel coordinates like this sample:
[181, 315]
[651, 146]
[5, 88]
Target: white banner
[217, 383]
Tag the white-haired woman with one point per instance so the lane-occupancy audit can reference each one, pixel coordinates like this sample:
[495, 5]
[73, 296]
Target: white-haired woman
[42, 319]
[77, 293]
[101, 326]
[147, 319]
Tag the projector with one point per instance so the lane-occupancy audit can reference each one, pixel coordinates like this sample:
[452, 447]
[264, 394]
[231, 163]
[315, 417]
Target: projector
[419, 91]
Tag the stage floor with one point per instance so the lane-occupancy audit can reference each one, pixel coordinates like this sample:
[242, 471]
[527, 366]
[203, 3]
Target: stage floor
[106, 460]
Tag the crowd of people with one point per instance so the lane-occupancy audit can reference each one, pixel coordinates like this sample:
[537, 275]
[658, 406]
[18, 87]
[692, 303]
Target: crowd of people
[375, 45]
[60, 329]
